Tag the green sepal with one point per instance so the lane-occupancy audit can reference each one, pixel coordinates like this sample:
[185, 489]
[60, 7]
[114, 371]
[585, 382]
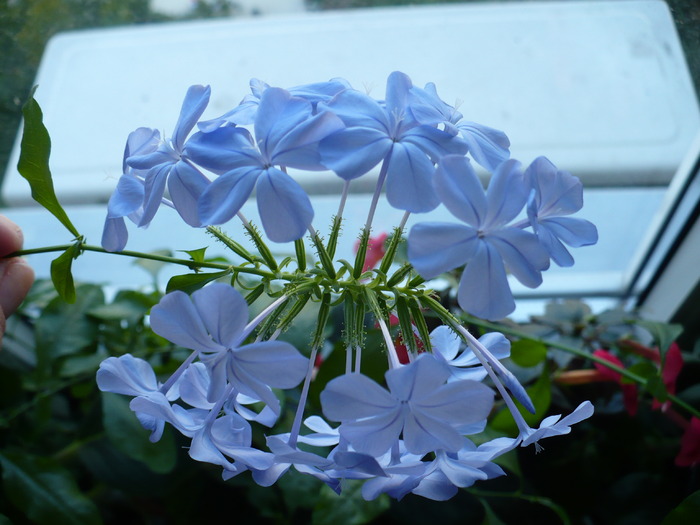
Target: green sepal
[301, 254]
[323, 255]
[421, 325]
[262, 247]
[232, 245]
[361, 254]
[404, 315]
[399, 274]
[294, 310]
[255, 293]
[333, 238]
[61, 275]
[323, 311]
[33, 164]
[390, 254]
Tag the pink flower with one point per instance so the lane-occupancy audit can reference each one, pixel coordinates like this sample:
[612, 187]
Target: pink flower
[629, 391]
[375, 250]
[689, 454]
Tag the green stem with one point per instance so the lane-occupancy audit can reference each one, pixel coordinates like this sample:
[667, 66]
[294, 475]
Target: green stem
[192, 265]
[577, 352]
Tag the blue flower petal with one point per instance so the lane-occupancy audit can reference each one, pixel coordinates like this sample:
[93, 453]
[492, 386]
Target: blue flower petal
[224, 197]
[177, 319]
[434, 248]
[506, 195]
[193, 106]
[114, 235]
[352, 152]
[126, 375]
[284, 207]
[224, 149]
[185, 186]
[154, 189]
[483, 289]
[487, 146]
[274, 363]
[299, 147]
[224, 312]
[522, 253]
[375, 435]
[354, 396]
[409, 179]
[460, 190]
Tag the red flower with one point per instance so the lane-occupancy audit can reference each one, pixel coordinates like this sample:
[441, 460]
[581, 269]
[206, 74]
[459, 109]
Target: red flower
[375, 250]
[689, 454]
[629, 391]
[669, 374]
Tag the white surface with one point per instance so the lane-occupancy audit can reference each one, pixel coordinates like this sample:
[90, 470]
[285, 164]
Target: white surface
[601, 88]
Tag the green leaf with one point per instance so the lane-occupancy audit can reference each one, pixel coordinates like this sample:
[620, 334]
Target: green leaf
[128, 436]
[196, 255]
[490, 517]
[4, 520]
[663, 333]
[191, 282]
[61, 274]
[528, 352]
[46, 493]
[33, 162]
[67, 329]
[348, 509]
[687, 512]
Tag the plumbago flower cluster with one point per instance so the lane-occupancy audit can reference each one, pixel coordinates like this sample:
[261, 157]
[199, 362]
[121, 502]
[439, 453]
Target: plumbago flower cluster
[410, 434]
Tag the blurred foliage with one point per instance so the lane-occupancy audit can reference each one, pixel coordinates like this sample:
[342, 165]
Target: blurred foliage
[70, 454]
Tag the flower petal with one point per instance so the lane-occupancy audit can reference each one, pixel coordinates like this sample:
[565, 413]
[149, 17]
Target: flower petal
[224, 312]
[409, 179]
[284, 207]
[193, 106]
[436, 247]
[224, 197]
[177, 319]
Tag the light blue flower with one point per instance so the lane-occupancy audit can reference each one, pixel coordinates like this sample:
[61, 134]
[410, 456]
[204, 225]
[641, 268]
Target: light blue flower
[555, 425]
[244, 113]
[130, 376]
[487, 146]
[168, 165]
[486, 242]
[286, 135]
[446, 346]
[388, 132]
[554, 195]
[212, 322]
[418, 405]
[450, 471]
[286, 456]
[127, 199]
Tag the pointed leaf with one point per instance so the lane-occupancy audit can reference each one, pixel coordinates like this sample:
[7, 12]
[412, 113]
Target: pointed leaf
[61, 275]
[44, 492]
[33, 162]
[191, 282]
